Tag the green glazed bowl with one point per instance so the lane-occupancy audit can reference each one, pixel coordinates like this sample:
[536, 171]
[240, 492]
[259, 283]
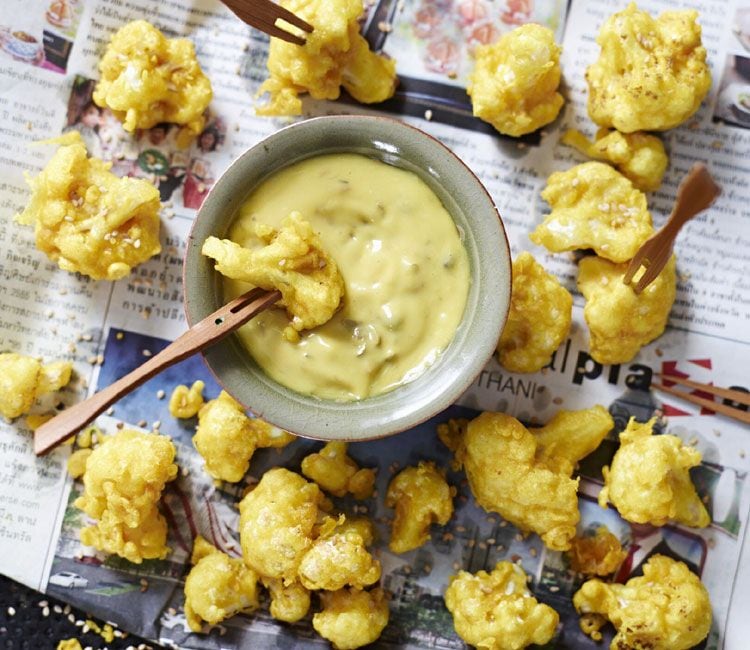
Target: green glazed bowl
[478, 221]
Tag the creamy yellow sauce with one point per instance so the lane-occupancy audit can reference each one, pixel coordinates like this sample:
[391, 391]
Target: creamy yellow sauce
[405, 270]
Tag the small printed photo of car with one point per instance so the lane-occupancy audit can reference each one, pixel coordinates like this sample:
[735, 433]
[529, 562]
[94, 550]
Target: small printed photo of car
[69, 580]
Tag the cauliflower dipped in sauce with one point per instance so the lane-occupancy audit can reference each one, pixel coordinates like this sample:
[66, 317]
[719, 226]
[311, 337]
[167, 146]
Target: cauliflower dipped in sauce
[496, 611]
[227, 438]
[351, 618]
[598, 554]
[217, 587]
[649, 479]
[539, 317]
[23, 379]
[640, 157]
[291, 261]
[421, 496]
[594, 206]
[147, 78]
[123, 482]
[185, 402]
[514, 83]
[621, 321]
[651, 74]
[337, 473]
[86, 219]
[335, 54]
[289, 602]
[665, 609]
[525, 474]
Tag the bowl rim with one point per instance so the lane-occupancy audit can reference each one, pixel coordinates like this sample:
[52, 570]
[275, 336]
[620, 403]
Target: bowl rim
[457, 388]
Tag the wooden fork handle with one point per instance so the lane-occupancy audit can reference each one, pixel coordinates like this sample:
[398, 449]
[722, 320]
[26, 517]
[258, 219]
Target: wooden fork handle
[210, 330]
[697, 191]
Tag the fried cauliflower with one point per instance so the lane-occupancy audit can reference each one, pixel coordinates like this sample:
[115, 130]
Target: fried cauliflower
[539, 317]
[599, 554]
[594, 206]
[621, 321]
[185, 402]
[23, 379]
[337, 473]
[335, 54]
[665, 609]
[497, 611]
[525, 474]
[651, 74]
[147, 78]
[289, 602]
[227, 438]
[86, 219]
[291, 261]
[217, 587]
[421, 496]
[123, 482]
[649, 479]
[351, 618]
[515, 80]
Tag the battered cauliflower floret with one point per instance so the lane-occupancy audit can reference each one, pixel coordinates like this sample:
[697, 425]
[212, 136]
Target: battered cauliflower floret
[594, 206]
[278, 523]
[514, 82]
[185, 402]
[525, 475]
[339, 559]
[291, 261]
[123, 482]
[289, 603]
[147, 78]
[621, 321]
[217, 587]
[539, 317]
[649, 479]
[497, 611]
[651, 74]
[227, 438]
[88, 220]
[639, 157]
[335, 54]
[24, 378]
[665, 609]
[351, 618]
[337, 473]
[421, 496]
[599, 554]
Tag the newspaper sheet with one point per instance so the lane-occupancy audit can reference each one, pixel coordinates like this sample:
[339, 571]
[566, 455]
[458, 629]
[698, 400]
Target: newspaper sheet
[107, 328]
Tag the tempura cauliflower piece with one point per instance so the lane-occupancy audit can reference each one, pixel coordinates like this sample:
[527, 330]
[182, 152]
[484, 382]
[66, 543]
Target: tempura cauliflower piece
[335, 54]
[525, 475]
[496, 611]
[639, 157]
[88, 220]
[337, 473]
[147, 78]
[651, 74]
[289, 603]
[24, 378]
[620, 321]
[649, 479]
[351, 618]
[599, 554]
[421, 496]
[665, 609]
[594, 206]
[123, 482]
[539, 317]
[227, 438]
[514, 82]
[217, 587]
[185, 402]
[339, 558]
[278, 523]
[292, 261]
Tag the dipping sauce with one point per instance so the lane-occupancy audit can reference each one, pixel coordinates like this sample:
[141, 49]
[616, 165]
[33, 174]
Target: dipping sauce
[405, 270]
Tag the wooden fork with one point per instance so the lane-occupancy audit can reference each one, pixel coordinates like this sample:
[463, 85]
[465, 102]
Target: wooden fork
[263, 14]
[696, 192]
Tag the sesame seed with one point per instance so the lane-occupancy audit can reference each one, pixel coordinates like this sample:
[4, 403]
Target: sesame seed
[11, 611]
[428, 115]
[157, 424]
[110, 410]
[146, 353]
[45, 612]
[160, 394]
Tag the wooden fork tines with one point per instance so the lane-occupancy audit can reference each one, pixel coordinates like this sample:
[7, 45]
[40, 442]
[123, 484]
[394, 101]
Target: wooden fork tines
[263, 15]
[732, 395]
